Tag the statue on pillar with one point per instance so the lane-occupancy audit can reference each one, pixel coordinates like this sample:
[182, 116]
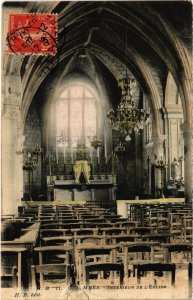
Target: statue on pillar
[175, 170]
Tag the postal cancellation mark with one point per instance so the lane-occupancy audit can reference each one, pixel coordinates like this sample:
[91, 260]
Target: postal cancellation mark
[32, 33]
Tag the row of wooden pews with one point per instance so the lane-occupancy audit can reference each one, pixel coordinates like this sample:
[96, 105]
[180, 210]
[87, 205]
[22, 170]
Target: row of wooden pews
[91, 245]
[174, 219]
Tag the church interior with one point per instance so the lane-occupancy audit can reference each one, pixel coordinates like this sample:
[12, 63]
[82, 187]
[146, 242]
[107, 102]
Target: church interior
[96, 153]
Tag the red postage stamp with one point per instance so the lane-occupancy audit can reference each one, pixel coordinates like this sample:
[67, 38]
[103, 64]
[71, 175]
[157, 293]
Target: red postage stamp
[32, 33]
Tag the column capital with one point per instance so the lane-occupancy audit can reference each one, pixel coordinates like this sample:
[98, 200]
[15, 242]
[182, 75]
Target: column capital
[172, 112]
[10, 112]
[159, 138]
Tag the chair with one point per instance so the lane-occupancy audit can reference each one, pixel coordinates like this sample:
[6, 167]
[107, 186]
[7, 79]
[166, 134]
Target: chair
[47, 209]
[69, 225]
[54, 232]
[28, 217]
[102, 224]
[177, 247]
[156, 267]
[163, 221]
[79, 225]
[85, 216]
[95, 220]
[7, 217]
[135, 253]
[68, 213]
[96, 253]
[62, 208]
[53, 225]
[127, 224]
[106, 268]
[88, 217]
[57, 240]
[187, 229]
[33, 211]
[67, 220]
[112, 231]
[176, 226]
[83, 213]
[113, 219]
[117, 238]
[139, 212]
[11, 261]
[141, 230]
[50, 270]
[152, 218]
[161, 238]
[50, 254]
[99, 211]
[84, 231]
[46, 215]
[92, 239]
[47, 221]
[53, 256]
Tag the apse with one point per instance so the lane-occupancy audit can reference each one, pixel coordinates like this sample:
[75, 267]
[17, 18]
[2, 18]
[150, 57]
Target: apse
[71, 112]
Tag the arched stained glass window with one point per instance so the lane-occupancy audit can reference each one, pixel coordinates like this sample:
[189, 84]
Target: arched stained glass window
[76, 116]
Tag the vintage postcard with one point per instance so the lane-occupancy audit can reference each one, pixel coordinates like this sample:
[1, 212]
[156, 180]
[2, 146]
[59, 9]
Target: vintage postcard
[96, 150]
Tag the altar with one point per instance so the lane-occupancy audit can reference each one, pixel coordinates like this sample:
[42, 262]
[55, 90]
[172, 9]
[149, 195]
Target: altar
[69, 190]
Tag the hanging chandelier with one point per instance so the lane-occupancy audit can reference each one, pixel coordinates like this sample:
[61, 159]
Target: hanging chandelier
[127, 118]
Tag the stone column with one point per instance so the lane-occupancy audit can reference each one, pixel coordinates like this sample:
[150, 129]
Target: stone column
[20, 162]
[158, 142]
[187, 134]
[10, 170]
[173, 116]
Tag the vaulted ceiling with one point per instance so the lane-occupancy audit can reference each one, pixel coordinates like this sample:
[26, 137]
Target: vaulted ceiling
[92, 40]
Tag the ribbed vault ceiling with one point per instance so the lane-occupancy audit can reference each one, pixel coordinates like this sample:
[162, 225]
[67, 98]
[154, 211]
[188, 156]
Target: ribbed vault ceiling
[93, 34]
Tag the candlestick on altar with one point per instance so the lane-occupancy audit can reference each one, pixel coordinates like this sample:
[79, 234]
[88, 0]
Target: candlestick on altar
[91, 154]
[56, 152]
[64, 153]
[72, 155]
[113, 163]
[98, 155]
[105, 143]
[49, 161]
